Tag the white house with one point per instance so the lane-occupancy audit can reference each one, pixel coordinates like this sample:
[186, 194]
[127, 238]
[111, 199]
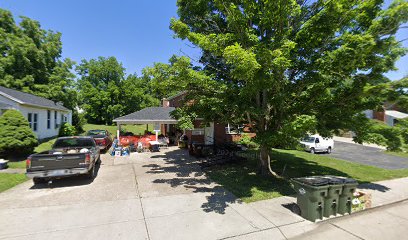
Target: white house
[390, 117]
[45, 116]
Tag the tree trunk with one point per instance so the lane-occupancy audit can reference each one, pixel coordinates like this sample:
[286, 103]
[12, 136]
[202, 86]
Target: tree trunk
[265, 163]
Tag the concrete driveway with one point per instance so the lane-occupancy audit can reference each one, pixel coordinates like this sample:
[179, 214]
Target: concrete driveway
[160, 196]
[367, 155]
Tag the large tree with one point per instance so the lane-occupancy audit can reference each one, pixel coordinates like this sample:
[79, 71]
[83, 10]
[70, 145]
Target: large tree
[168, 79]
[30, 60]
[290, 66]
[105, 92]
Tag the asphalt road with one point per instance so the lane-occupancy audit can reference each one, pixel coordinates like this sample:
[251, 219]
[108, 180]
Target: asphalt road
[367, 155]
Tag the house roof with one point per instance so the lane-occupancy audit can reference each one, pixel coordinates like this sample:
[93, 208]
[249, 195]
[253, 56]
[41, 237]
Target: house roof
[148, 115]
[396, 114]
[177, 95]
[4, 105]
[30, 99]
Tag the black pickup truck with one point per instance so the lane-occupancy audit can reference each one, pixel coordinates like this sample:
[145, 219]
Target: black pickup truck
[69, 156]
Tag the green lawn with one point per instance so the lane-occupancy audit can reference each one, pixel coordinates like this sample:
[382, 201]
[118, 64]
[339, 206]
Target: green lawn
[241, 179]
[45, 146]
[135, 129]
[399, 154]
[8, 180]
[19, 164]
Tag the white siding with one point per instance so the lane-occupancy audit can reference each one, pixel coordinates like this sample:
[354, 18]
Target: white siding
[369, 114]
[389, 120]
[42, 130]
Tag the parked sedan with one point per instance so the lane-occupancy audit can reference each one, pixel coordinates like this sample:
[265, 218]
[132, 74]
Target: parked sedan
[103, 138]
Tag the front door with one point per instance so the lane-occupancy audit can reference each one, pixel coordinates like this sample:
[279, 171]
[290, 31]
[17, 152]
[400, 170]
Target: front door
[209, 134]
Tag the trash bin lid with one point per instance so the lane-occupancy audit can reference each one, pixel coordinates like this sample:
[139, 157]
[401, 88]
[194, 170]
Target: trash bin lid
[313, 181]
[340, 180]
[333, 180]
[347, 180]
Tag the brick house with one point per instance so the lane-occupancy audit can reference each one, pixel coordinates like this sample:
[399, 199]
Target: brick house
[213, 132]
[160, 117]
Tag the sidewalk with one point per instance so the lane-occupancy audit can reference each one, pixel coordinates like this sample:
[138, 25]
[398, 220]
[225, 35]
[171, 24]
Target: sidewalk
[290, 225]
[386, 222]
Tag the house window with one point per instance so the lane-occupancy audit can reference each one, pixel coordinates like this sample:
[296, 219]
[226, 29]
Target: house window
[33, 120]
[229, 129]
[62, 118]
[197, 131]
[30, 119]
[55, 120]
[48, 119]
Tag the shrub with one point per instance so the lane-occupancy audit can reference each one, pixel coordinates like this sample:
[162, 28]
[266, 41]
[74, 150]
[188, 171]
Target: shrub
[382, 134]
[67, 130]
[16, 136]
[247, 141]
[78, 121]
[402, 125]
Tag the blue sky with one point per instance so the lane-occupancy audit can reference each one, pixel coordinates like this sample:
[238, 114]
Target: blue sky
[135, 32]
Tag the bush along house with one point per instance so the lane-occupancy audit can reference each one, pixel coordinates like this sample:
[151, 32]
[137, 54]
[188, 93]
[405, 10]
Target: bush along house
[44, 116]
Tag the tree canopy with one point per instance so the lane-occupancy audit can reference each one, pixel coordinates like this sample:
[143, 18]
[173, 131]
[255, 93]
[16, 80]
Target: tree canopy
[290, 66]
[168, 79]
[31, 60]
[105, 92]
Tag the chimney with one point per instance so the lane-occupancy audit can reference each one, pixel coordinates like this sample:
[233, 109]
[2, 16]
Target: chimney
[380, 114]
[165, 102]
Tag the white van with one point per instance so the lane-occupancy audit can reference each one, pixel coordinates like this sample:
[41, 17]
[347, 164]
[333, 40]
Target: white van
[317, 143]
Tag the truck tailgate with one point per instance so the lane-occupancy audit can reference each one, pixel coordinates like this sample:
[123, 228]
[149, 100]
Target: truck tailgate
[41, 162]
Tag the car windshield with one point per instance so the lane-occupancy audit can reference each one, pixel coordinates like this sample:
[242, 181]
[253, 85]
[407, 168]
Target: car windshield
[96, 132]
[73, 142]
[308, 139]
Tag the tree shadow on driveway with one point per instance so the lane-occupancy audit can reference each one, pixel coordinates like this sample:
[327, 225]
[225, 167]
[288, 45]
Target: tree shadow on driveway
[239, 180]
[188, 174]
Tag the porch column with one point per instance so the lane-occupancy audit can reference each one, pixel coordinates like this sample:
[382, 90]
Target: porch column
[118, 131]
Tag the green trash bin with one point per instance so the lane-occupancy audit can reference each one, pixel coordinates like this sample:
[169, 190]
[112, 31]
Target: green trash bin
[349, 187]
[310, 196]
[331, 201]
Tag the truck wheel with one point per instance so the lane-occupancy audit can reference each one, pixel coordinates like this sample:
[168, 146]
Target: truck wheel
[312, 151]
[38, 180]
[329, 150]
[98, 161]
[92, 173]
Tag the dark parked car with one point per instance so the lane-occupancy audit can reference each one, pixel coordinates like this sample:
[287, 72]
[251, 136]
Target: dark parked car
[69, 156]
[103, 138]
